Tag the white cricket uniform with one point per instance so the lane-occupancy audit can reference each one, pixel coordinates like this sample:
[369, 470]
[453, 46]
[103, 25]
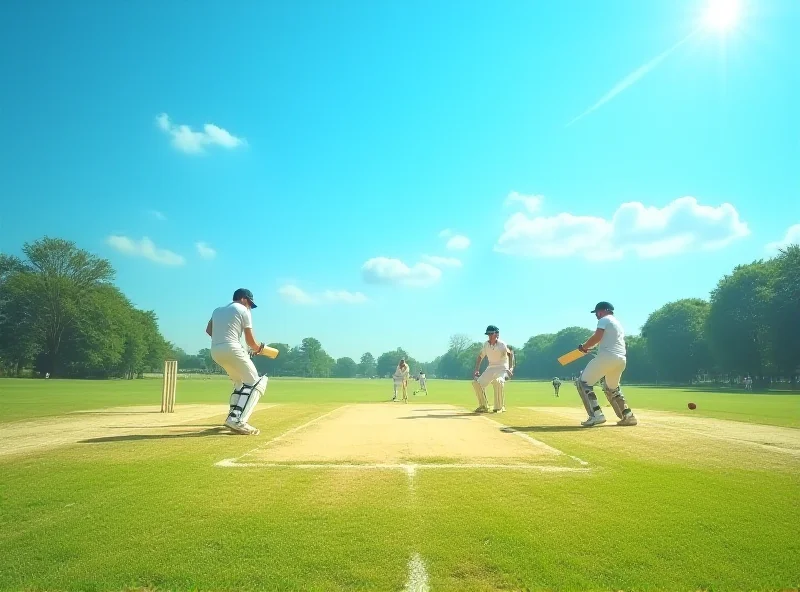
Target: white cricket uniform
[423, 381]
[497, 357]
[611, 358]
[401, 375]
[227, 325]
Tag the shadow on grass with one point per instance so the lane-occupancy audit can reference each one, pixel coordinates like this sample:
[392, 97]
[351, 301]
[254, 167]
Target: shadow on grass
[449, 416]
[218, 431]
[547, 429]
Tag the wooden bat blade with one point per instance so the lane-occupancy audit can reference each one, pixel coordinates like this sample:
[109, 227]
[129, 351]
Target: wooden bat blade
[575, 354]
[270, 352]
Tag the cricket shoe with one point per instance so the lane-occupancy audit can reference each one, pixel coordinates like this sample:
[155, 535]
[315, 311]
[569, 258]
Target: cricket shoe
[593, 421]
[251, 431]
[481, 409]
[235, 426]
[501, 410]
[628, 420]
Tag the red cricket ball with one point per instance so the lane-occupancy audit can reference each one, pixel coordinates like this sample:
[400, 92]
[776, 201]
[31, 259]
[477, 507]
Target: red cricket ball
[692, 406]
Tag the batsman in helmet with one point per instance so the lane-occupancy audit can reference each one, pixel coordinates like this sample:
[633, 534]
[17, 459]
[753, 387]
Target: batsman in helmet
[606, 367]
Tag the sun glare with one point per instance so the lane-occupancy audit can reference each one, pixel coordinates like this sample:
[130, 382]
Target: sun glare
[722, 15]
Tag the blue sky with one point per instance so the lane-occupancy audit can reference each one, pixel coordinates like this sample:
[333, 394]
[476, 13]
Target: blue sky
[386, 174]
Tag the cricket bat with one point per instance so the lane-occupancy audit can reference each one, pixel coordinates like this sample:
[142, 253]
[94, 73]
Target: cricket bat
[575, 354]
[268, 351]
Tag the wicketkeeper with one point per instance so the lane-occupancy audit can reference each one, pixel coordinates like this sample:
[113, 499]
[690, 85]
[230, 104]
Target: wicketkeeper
[225, 329]
[609, 363]
[500, 367]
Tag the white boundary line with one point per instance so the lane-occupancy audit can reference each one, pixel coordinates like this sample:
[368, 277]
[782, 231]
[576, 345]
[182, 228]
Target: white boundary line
[284, 434]
[509, 430]
[417, 575]
[409, 468]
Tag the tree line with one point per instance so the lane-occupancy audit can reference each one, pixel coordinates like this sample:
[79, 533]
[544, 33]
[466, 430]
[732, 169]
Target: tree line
[60, 313]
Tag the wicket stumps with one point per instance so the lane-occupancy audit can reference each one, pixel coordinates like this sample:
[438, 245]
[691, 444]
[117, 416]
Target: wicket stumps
[168, 389]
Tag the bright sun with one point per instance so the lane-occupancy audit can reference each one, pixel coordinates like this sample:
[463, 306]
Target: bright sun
[722, 14]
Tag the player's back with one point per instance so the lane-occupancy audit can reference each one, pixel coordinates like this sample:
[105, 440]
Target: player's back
[228, 323]
[613, 341]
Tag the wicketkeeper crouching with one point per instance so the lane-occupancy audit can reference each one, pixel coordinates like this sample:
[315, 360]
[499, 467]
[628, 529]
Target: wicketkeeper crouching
[225, 329]
[608, 364]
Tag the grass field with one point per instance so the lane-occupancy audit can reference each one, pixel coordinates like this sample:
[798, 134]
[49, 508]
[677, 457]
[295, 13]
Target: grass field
[344, 491]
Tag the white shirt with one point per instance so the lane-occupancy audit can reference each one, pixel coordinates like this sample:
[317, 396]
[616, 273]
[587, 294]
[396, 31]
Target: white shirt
[613, 341]
[496, 354]
[402, 374]
[228, 323]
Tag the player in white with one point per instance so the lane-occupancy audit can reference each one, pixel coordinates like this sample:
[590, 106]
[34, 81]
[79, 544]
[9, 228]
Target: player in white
[225, 328]
[423, 383]
[400, 379]
[500, 367]
[609, 363]
[556, 384]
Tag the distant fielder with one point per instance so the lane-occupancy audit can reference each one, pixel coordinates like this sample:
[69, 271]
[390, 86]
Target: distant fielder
[423, 383]
[556, 385]
[225, 329]
[609, 363]
[501, 367]
[400, 379]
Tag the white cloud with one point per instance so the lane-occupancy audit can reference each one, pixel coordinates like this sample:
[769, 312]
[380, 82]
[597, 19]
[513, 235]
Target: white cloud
[459, 242]
[205, 251]
[532, 203]
[160, 216]
[646, 231]
[383, 270]
[144, 248]
[296, 295]
[192, 142]
[792, 237]
[446, 233]
[441, 261]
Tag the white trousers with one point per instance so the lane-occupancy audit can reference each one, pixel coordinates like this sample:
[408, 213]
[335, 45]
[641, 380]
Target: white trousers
[238, 365]
[604, 365]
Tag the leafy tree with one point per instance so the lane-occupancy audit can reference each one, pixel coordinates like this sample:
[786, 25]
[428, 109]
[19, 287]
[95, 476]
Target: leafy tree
[387, 362]
[784, 313]
[640, 366]
[345, 368]
[738, 325]
[676, 340]
[367, 366]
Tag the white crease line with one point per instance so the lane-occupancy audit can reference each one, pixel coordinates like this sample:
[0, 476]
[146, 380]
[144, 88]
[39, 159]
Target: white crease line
[417, 575]
[409, 469]
[284, 434]
[768, 447]
[534, 441]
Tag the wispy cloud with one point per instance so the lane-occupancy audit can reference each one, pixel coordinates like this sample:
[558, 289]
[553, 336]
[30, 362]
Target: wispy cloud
[205, 251]
[384, 270]
[631, 79]
[458, 242]
[442, 261]
[160, 216]
[645, 231]
[191, 142]
[144, 248]
[532, 203]
[446, 233]
[792, 237]
[296, 295]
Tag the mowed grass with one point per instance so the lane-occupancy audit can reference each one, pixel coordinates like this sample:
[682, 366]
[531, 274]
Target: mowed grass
[155, 513]
[30, 398]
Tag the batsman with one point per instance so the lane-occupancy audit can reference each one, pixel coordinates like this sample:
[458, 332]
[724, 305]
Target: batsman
[606, 367]
[225, 328]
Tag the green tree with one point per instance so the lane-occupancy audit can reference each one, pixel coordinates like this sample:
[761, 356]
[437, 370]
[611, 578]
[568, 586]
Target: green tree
[676, 339]
[63, 275]
[387, 362]
[367, 366]
[785, 313]
[738, 325]
[345, 368]
[640, 366]
[564, 341]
